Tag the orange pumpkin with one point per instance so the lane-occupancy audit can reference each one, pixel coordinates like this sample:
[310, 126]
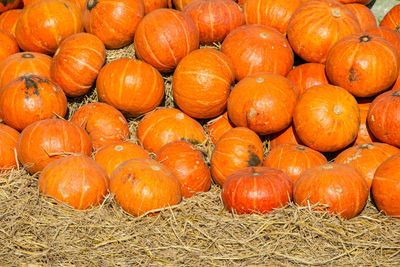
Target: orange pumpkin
[326, 118]
[364, 133]
[9, 4]
[366, 158]
[389, 34]
[385, 187]
[293, 159]
[77, 62]
[111, 156]
[307, 75]
[80, 3]
[214, 19]
[113, 21]
[104, 123]
[364, 15]
[263, 102]
[340, 187]
[317, 25]
[165, 125]
[8, 45]
[238, 148]
[164, 37]
[30, 98]
[275, 14]
[8, 145]
[24, 63]
[143, 185]
[188, 165]
[202, 82]
[258, 48]
[365, 64]
[132, 86]
[76, 180]
[392, 19]
[47, 140]
[8, 20]
[43, 26]
[286, 136]
[218, 126]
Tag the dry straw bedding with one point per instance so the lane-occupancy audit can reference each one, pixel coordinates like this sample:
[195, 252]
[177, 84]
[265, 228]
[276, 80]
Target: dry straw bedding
[36, 231]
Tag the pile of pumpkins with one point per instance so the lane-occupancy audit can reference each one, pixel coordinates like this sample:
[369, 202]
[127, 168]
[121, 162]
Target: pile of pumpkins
[232, 67]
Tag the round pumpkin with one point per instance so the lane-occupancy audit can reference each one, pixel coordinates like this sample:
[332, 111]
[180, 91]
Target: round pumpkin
[238, 148]
[307, 75]
[132, 86]
[364, 133]
[256, 190]
[30, 98]
[214, 19]
[8, 20]
[382, 118]
[24, 63]
[202, 82]
[258, 48]
[9, 4]
[366, 158]
[286, 136]
[44, 25]
[165, 125]
[275, 14]
[47, 140]
[143, 185]
[392, 18]
[104, 123]
[218, 126]
[293, 159]
[76, 180]
[188, 165]
[80, 3]
[8, 145]
[341, 188]
[385, 187]
[389, 34]
[364, 15]
[114, 22]
[365, 64]
[263, 102]
[8, 45]
[326, 118]
[77, 62]
[317, 25]
[164, 37]
[111, 156]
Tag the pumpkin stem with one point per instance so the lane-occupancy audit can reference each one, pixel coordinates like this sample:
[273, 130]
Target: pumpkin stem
[337, 109]
[336, 13]
[365, 38]
[366, 146]
[91, 4]
[27, 55]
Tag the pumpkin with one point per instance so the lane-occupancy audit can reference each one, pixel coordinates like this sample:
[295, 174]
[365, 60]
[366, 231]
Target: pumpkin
[365, 64]
[8, 45]
[104, 123]
[8, 20]
[165, 125]
[366, 158]
[263, 102]
[8, 145]
[326, 118]
[9, 4]
[80, 3]
[113, 21]
[307, 75]
[256, 190]
[214, 19]
[389, 34]
[364, 133]
[188, 165]
[77, 181]
[132, 86]
[24, 63]
[286, 136]
[275, 14]
[44, 25]
[341, 188]
[47, 140]
[30, 98]
[382, 117]
[218, 126]
[238, 148]
[364, 15]
[150, 5]
[164, 37]
[111, 156]
[258, 48]
[293, 159]
[77, 62]
[392, 19]
[143, 185]
[202, 82]
[385, 187]
[317, 25]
